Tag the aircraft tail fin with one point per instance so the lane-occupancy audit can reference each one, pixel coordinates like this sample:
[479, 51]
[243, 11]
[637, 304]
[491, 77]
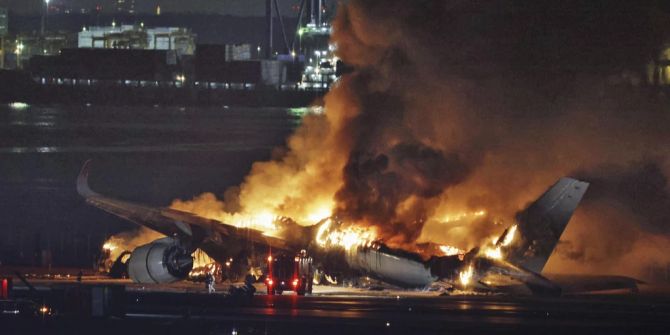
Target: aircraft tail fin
[540, 226]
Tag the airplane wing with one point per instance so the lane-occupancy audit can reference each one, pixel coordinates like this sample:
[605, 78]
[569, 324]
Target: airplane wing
[186, 226]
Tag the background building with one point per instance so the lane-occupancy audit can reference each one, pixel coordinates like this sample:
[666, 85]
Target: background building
[21, 49]
[137, 37]
[4, 31]
[125, 6]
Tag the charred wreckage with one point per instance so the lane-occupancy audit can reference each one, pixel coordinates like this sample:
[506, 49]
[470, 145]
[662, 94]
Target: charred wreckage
[514, 262]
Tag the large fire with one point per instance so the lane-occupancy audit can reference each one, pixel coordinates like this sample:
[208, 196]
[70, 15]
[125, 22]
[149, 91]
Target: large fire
[451, 251]
[494, 250]
[463, 216]
[403, 138]
[265, 219]
[116, 245]
[466, 275]
[332, 234]
[203, 265]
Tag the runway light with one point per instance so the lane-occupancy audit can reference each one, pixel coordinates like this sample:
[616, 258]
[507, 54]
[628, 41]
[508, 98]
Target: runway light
[388, 324]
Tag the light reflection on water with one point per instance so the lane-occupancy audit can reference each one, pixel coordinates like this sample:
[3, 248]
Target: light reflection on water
[103, 129]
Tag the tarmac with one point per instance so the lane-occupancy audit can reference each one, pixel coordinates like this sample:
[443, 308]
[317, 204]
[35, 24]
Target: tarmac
[185, 308]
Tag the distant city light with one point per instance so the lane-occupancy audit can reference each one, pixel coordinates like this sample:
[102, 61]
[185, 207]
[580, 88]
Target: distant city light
[19, 48]
[18, 105]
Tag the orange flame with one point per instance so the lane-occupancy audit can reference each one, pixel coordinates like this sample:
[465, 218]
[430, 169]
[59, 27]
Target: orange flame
[346, 238]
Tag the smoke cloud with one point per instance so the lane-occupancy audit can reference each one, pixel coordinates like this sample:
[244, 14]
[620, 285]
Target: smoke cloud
[461, 106]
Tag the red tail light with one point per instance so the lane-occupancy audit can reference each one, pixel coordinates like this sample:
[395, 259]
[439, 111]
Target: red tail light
[270, 282]
[295, 282]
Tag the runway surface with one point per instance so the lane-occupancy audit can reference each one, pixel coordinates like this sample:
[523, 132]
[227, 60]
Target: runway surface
[171, 312]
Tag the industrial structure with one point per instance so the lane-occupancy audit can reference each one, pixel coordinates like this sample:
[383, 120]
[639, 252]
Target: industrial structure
[26, 46]
[99, 61]
[125, 6]
[310, 45]
[314, 43]
[181, 40]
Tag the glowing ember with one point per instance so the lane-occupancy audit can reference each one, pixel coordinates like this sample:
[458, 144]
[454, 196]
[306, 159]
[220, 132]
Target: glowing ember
[493, 253]
[461, 216]
[495, 250]
[509, 237]
[451, 251]
[264, 221]
[109, 246]
[319, 214]
[465, 276]
[202, 271]
[203, 264]
[347, 238]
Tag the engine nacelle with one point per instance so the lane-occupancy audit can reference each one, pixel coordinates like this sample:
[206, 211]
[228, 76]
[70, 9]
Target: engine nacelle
[161, 261]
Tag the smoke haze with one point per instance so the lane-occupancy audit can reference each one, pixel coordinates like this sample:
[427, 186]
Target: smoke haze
[463, 106]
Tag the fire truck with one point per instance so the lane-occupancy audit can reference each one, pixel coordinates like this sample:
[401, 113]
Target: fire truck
[289, 273]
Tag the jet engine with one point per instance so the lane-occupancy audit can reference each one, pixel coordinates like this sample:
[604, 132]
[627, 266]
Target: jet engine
[161, 261]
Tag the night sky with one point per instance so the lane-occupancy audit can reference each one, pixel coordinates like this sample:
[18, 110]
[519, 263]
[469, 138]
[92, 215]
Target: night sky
[228, 7]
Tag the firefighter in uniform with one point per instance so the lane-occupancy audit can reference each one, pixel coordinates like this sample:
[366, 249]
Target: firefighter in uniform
[209, 282]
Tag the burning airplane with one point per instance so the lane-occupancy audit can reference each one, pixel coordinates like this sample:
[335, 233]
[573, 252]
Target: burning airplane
[515, 259]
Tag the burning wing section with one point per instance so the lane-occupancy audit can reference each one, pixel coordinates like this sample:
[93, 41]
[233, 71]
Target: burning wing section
[165, 260]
